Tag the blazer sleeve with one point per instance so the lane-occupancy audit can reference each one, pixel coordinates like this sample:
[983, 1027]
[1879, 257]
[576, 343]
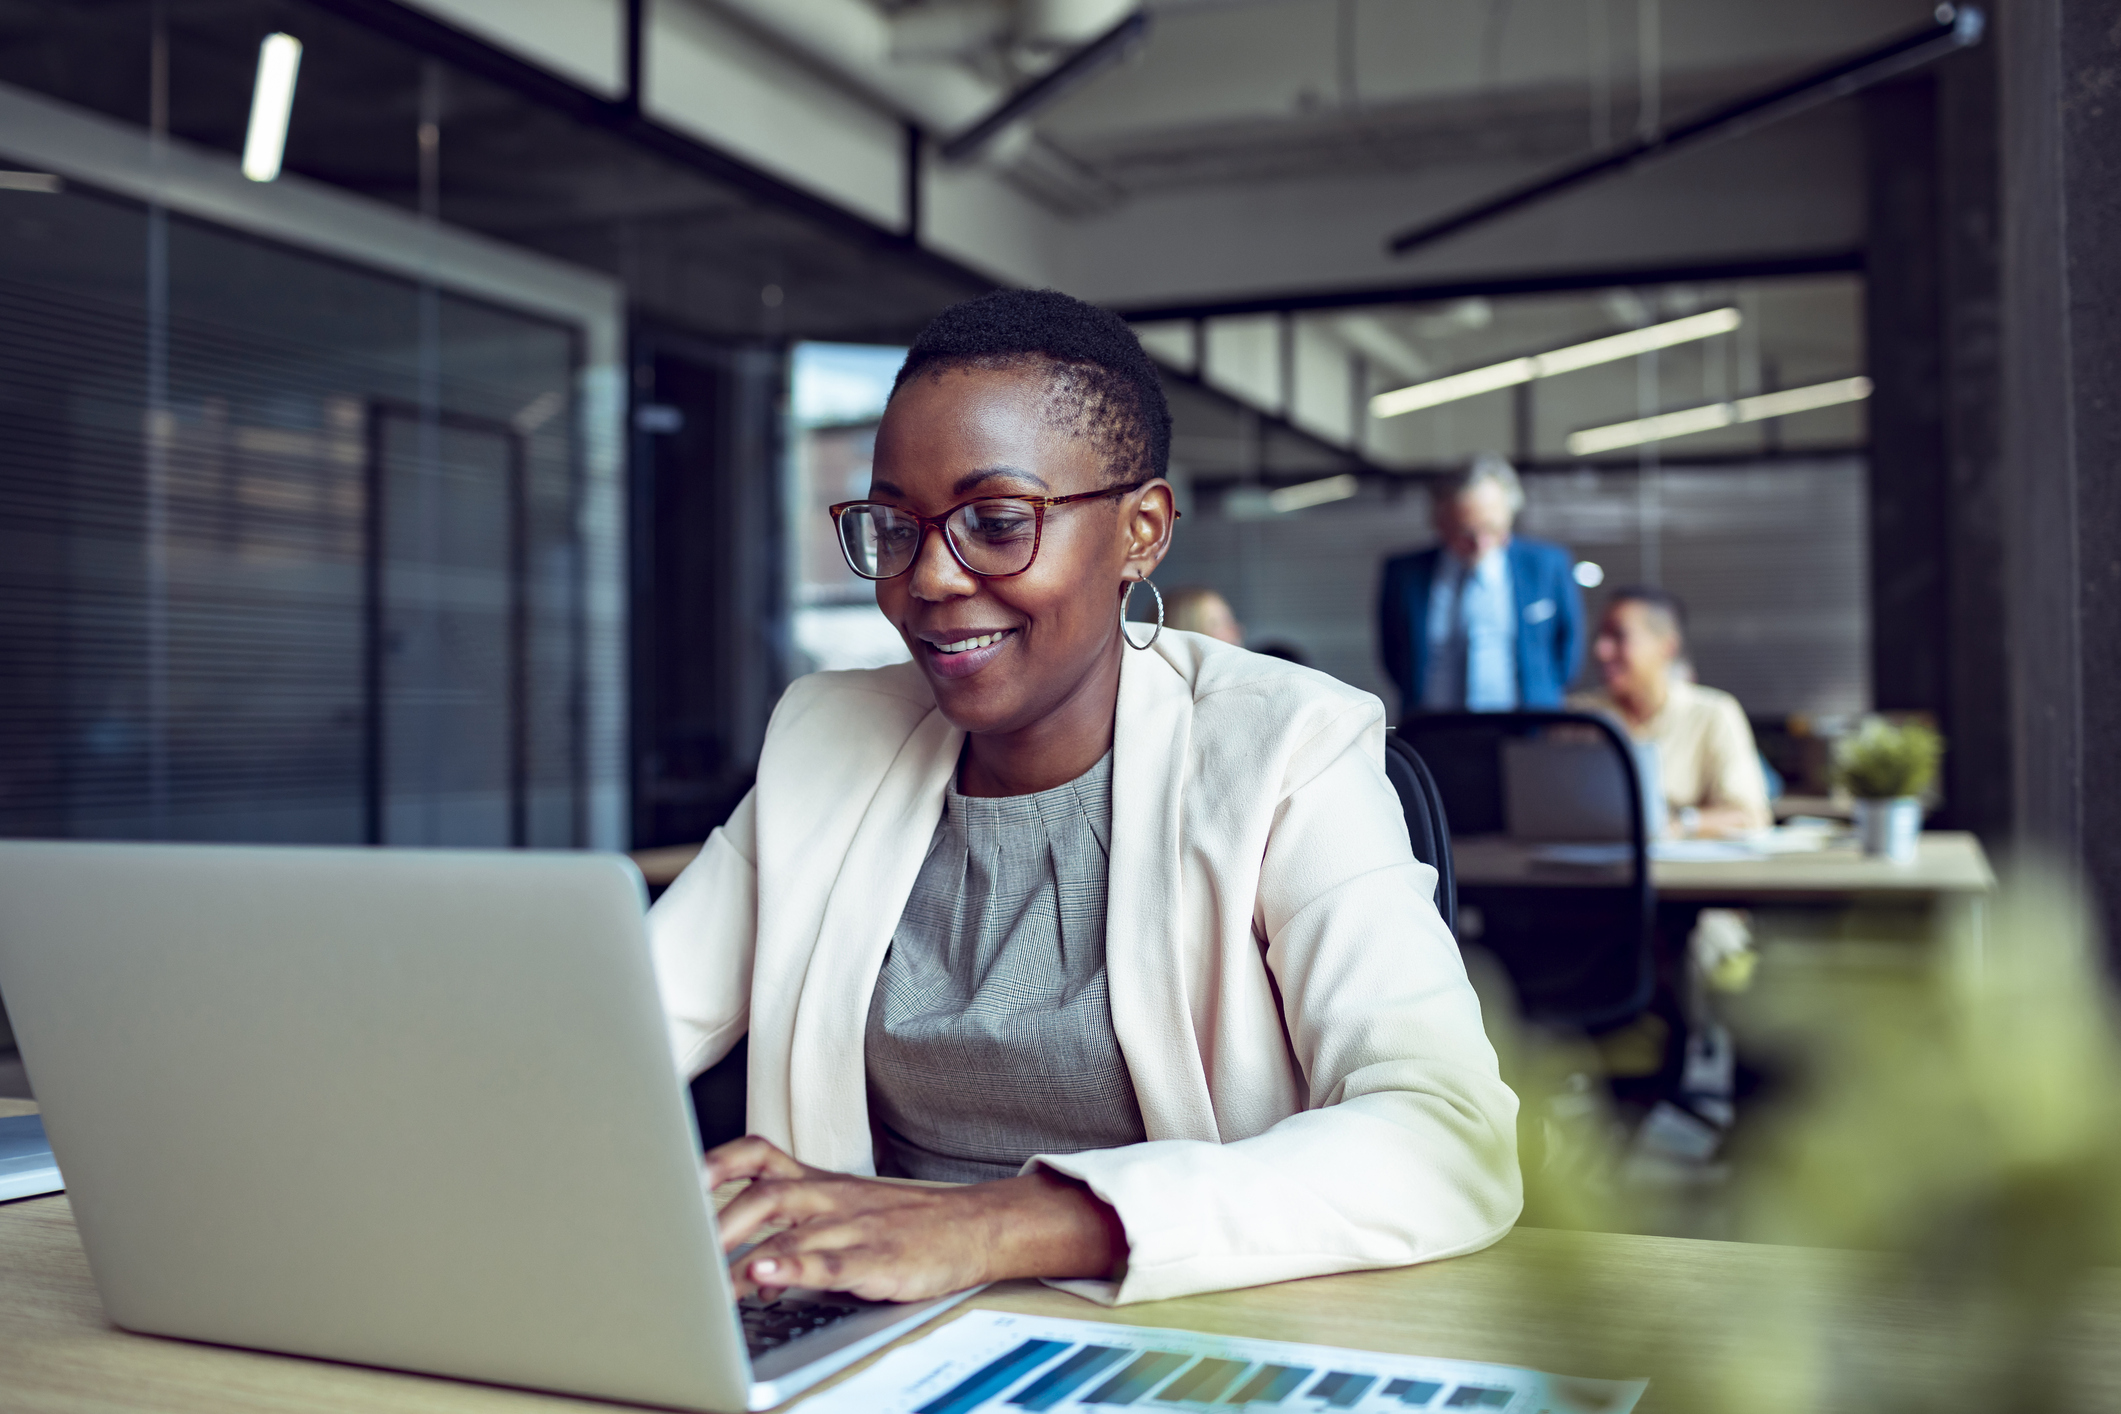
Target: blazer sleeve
[1568, 643]
[701, 934]
[1730, 773]
[1408, 1151]
[1395, 642]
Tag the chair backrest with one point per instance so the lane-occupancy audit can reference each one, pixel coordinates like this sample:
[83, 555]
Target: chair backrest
[1428, 828]
[1551, 845]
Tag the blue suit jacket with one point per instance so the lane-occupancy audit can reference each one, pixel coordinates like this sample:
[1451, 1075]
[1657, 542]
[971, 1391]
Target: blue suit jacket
[1549, 621]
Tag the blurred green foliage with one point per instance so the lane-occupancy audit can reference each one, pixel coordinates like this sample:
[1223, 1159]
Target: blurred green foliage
[1885, 760]
[1947, 1115]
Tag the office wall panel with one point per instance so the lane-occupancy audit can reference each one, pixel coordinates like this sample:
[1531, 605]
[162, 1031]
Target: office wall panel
[709, 78]
[584, 40]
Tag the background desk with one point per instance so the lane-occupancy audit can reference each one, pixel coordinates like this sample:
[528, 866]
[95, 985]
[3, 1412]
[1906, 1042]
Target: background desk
[58, 1355]
[1947, 864]
[1947, 883]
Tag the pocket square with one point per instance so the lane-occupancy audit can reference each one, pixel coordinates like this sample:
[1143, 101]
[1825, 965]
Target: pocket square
[1539, 611]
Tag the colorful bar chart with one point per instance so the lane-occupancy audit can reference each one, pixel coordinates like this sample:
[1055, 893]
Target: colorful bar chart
[1066, 1378]
[993, 1362]
[997, 1376]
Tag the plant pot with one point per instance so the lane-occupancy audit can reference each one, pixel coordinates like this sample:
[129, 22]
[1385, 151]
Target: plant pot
[1889, 828]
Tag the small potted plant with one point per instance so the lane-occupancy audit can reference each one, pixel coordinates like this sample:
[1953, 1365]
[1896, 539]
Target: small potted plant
[1887, 767]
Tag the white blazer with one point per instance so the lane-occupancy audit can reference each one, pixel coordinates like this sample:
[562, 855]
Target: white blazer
[1317, 1089]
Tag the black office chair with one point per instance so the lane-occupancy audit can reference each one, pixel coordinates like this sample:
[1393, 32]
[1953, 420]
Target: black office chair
[1428, 827]
[1561, 894]
[718, 1096]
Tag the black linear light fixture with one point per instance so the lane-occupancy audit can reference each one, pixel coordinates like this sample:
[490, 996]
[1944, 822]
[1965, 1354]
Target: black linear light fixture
[1107, 48]
[1956, 27]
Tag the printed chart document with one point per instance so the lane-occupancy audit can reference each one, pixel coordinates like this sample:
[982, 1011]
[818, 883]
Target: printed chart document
[994, 1361]
[26, 1166]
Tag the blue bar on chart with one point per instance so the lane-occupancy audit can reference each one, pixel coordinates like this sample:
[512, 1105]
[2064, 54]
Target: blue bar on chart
[1066, 1378]
[1340, 1389]
[1202, 1383]
[1477, 1397]
[1414, 1393]
[1271, 1385]
[1130, 1384]
[994, 1377]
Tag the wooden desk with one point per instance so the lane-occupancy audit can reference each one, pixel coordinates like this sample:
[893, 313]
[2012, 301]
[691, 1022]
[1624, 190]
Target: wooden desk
[1685, 1313]
[661, 867]
[1948, 863]
[1947, 883]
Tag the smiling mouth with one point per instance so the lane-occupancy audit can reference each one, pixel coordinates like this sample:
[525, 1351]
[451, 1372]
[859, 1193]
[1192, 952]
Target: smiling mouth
[966, 645]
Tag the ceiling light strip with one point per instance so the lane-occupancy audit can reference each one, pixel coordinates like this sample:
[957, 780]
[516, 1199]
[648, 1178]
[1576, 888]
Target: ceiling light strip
[1306, 494]
[1511, 372]
[1709, 417]
[272, 101]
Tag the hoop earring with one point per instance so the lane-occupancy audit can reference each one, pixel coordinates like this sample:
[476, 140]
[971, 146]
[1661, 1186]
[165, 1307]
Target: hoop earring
[1123, 601]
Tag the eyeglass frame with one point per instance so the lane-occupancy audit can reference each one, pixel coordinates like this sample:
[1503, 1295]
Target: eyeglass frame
[1039, 506]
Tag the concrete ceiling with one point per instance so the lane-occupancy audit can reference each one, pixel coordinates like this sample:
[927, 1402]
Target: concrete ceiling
[1234, 91]
[1251, 147]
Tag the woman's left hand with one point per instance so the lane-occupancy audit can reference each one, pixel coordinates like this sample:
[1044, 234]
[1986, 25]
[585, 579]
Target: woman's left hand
[901, 1242]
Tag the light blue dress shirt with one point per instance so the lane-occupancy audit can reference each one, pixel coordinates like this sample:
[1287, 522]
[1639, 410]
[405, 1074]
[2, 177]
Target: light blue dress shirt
[1472, 633]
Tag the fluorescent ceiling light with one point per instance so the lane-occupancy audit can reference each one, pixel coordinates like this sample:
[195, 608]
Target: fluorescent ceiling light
[1251, 503]
[45, 182]
[1312, 493]
[1511, 372]
[279, 56]
[1708, 418]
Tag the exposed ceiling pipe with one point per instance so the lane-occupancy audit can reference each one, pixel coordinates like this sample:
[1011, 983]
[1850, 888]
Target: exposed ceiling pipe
[1107, 48]
[853, 39]
[913, 74]
[1067, 23]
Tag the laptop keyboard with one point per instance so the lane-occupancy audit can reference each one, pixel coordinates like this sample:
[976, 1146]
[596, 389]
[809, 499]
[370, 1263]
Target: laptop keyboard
[768, 1324]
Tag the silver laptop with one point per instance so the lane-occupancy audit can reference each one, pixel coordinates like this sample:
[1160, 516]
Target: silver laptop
[401, 1108]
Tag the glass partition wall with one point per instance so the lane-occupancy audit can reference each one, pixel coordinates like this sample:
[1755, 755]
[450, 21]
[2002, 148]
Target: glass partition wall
[1708, 437]
[509, 279]
[290, 545]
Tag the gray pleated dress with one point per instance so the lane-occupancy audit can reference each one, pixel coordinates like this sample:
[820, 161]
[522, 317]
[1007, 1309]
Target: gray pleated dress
[990, 1032]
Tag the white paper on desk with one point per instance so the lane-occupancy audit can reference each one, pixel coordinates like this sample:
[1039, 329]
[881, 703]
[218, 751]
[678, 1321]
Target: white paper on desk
[27, 1169]
[1795, 838]
[1703, 851]
[1009, 1364]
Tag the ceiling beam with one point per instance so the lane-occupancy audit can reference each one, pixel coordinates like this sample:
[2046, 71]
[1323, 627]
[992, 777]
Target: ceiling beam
[1955, 28]
[1766, 267]
[1107, 48]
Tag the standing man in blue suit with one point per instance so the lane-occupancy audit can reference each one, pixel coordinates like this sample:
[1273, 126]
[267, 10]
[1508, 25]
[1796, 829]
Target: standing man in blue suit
[1485, 621]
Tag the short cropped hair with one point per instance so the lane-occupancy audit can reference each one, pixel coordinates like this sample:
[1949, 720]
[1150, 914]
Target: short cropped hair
[1102, 385]
[1490, 468]
[1662, 602]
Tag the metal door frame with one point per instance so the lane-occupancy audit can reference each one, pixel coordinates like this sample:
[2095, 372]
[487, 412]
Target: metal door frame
[380, 412]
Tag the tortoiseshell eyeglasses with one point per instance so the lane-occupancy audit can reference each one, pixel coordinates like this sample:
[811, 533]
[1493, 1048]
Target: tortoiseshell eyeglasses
[992, 537]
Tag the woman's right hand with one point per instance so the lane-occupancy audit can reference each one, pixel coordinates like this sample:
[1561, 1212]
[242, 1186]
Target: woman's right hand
[901, 1241]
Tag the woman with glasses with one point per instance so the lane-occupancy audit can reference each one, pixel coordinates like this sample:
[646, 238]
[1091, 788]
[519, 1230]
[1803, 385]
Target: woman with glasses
[1121, 933]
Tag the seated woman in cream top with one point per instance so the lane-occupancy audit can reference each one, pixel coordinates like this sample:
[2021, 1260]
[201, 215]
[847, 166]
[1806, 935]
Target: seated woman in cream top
[1127, 939]
[1707, 761]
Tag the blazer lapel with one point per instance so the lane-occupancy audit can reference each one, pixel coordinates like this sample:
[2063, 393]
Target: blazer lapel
[827, 1067]
[1146, 918]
